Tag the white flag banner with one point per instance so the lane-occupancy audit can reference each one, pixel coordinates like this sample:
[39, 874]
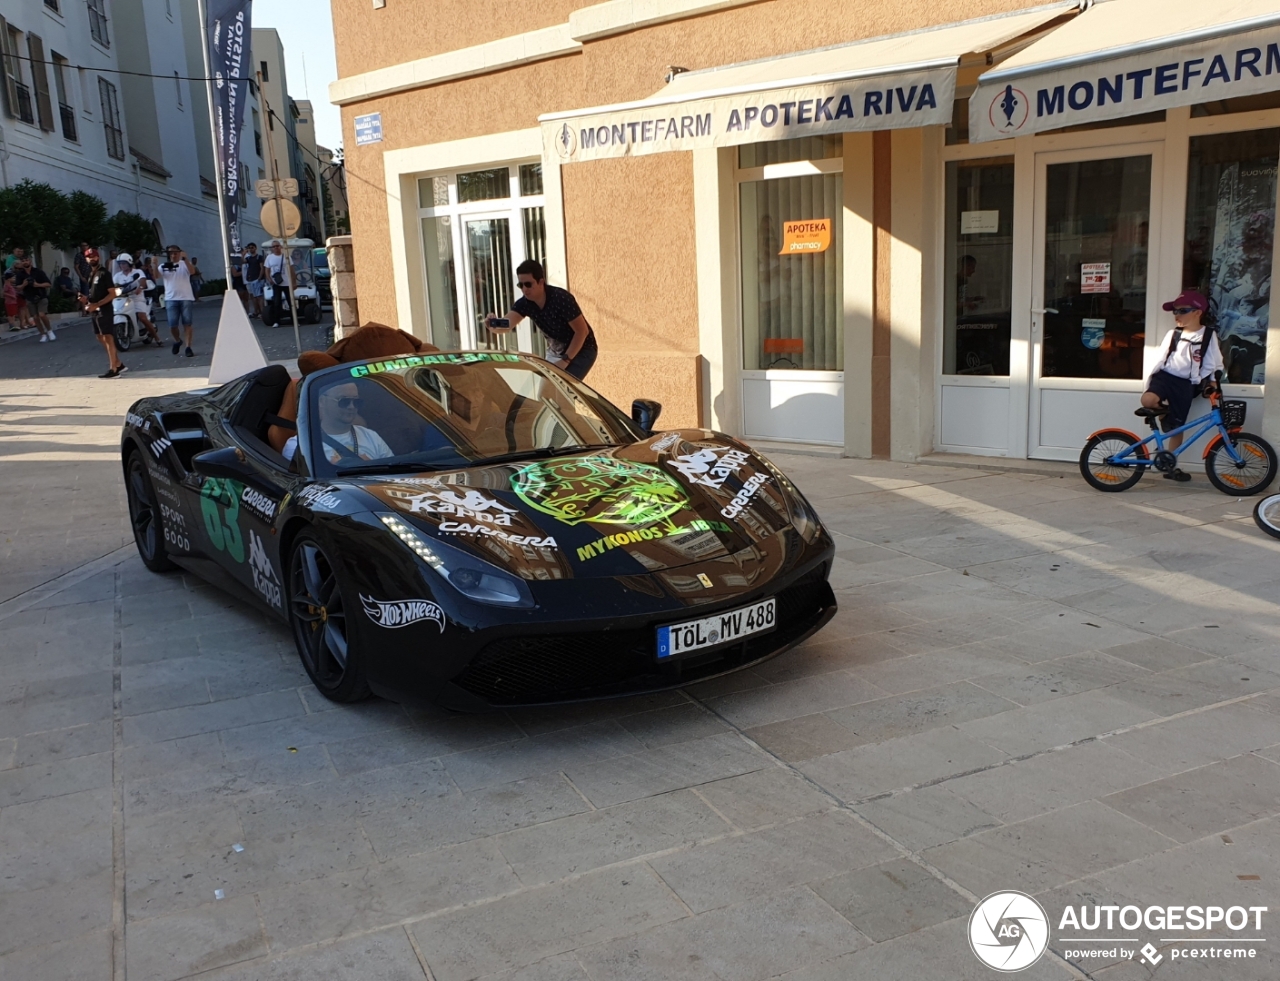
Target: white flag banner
[889, 101]
[1205, 71]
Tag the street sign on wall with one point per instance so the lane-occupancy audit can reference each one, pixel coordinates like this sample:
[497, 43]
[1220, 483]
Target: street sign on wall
[369, 129]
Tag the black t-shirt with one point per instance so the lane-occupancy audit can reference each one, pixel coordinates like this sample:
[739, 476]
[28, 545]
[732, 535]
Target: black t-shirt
[99, 285]
[27, 280]
[252, 268]
[553, 317]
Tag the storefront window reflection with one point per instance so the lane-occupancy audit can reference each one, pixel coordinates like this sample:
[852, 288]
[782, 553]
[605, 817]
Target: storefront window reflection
[785, 151]
[1231, 217]
[792, 303]
[437, 249]
[979, 259]
[1097, 222]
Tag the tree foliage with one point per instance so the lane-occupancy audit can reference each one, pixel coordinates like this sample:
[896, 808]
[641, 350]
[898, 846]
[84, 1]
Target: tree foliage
[132, 233]
[33, 213]
[88, 220]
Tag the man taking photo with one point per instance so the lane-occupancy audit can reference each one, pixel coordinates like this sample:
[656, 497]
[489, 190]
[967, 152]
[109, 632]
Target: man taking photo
[179, 298]
[571, 343]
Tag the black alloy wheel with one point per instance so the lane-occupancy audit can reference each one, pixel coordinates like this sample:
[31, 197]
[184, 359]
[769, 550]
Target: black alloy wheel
[144, 515]
[318, 613]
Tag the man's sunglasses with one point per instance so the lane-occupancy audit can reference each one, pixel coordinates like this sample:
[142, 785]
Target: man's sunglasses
[1183, 311]
[526, 284]
[347, 401]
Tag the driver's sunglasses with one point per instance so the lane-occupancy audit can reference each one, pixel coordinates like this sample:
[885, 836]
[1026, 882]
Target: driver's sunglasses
[526, 284]
[1183, 311]
[347, 401]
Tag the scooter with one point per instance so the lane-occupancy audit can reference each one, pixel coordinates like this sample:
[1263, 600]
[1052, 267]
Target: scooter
[125, 326]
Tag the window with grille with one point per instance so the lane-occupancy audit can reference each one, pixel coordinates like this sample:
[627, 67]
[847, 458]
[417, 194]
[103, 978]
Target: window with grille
[98, 22]
[17, 95]
[40, 82]
[66, 112]
[111, 126]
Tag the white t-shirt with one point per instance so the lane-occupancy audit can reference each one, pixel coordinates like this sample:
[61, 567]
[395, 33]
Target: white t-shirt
[1185, 361]
[134, 299]
[177, 282]
[276, 264]
[364, 443]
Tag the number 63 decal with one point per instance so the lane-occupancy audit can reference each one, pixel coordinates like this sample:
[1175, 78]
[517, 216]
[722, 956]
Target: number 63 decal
[220, 506]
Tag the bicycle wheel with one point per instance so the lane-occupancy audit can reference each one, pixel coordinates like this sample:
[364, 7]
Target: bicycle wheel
[1266, 515]
[1105, 476]
[1256, 469]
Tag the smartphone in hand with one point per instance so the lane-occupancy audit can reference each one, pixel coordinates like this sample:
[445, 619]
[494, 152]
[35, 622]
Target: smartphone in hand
[499, 321]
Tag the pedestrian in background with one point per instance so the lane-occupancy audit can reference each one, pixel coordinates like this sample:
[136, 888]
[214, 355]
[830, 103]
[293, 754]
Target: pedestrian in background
[34, 285]
[237, 281]
[97, 299]
[82, 266]
[14, 257]
[15, 307]
[65, 285]
[253, 277]
[571, 343]
[197, 278]
[280, 271]
[179, 298]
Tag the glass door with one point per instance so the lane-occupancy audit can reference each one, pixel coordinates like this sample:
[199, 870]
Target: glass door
[491, 278]
[1090, 305]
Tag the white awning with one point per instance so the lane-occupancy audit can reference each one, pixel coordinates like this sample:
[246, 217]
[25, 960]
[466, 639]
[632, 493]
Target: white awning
[884, 83]
[1125, 57]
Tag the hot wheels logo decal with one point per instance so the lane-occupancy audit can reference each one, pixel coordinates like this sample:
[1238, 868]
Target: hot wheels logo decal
[394, 614]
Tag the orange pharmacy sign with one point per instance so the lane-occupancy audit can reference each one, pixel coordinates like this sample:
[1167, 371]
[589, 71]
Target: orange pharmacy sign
[810, 235]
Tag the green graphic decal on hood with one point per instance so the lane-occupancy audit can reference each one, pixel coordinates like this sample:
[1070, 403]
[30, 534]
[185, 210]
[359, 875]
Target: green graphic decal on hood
[600, 490]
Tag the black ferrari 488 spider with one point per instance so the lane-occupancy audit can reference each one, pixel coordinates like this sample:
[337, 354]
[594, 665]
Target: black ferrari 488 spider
[478, 529]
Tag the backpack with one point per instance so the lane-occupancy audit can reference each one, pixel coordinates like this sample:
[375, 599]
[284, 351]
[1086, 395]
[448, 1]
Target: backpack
[1177, 336]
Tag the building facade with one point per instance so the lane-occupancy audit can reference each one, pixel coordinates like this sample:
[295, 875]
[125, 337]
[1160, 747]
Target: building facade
[895, 229]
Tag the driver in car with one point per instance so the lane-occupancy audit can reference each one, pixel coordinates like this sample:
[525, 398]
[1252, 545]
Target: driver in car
[343, 440]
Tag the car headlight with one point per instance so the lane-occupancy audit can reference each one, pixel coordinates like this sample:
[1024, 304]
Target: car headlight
[472, 577]
[803, 518]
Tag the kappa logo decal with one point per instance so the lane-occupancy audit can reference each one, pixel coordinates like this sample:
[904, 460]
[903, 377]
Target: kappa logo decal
[709, 466]
[473, 505]
[265, 580]
[259, 504]
[394, 614]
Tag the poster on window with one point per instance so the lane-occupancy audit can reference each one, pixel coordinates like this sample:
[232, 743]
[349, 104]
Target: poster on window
[1240, 274]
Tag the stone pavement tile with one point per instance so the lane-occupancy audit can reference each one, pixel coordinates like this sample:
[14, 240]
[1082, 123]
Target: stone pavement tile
[1088, 892]
[138, 700]
[540, 754]
[1227, 637]
[1206, 800]
[1053, 780]
[905, 674]
[82, 684]
[427, 822]
[166, 855]
[887, 900]
[805, 738]
[8, 753]
[1158, 654]
[759, 939]
[903, 762]
[536, 720]
[312, 730]
[1184, 689]
[740, 868]
[522, 929]
[226, 781]
[819, 655]
[383, 956]
[63, 744]
[956, 631]
[726, 684]
[919, 711]
[1064, 720]
[349, 902]
[656, 771]
[858, 616]
[389, 747]
[764, 797]
[1047, 680]
[34, 917]
[1046, 851]
[1266, 964]
[148, 760]
[926, 817]
[676, 724]
[932, 954]
[791, 699]
[1201, 737]
[217, 934]
[1056, 634]
[83, 958]
[56, 714]
[582, 842]
[54, 779]
[846, 575]
[55, 840]
[232, 713]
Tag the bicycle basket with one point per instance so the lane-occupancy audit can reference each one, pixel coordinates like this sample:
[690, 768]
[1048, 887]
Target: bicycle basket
[1233, 413]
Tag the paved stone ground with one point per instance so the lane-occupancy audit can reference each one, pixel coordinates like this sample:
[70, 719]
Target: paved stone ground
[1029, 686]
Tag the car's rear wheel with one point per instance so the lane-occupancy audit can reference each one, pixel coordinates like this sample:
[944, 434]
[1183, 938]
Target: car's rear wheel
[144, 515]
[318, 613]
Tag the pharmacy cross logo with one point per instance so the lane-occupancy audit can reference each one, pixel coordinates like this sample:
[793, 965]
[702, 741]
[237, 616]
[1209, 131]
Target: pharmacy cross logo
[1008, 931]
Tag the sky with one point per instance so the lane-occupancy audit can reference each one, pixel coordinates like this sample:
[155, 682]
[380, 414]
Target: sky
[306, 28]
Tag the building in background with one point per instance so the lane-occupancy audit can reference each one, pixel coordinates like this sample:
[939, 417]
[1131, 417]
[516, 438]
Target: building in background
[894, 229]
[333, 183]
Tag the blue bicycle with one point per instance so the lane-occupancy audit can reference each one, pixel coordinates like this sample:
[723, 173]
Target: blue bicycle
[1236, 462]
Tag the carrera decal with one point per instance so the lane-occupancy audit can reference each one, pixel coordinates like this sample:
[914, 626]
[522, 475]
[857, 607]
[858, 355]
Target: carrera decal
[259, 504]
[318, 497]
[600, 490]
[394, 614]
[459, 528]
[220, 506]
[709, 466]
[622, 538]
[743, 497]
[265, 580]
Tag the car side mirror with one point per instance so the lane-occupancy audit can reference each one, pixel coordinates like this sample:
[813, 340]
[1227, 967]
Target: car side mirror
[231, 463]
[645, 412]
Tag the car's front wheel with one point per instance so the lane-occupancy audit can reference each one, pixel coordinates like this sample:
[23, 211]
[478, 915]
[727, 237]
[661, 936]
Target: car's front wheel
[318, 613]
[144, 515]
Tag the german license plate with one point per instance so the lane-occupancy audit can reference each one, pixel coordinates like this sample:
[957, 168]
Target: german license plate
[723, 628]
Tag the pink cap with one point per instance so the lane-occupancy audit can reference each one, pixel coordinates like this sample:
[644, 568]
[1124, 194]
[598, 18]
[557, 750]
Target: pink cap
[1188, 298]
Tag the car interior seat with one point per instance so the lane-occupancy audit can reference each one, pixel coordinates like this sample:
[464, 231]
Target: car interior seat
[259, 407]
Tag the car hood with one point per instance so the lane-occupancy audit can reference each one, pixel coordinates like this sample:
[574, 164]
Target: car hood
[664, 503]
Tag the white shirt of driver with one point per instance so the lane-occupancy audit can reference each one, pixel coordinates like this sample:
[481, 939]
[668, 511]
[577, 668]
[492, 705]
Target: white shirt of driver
[364, 443]
[1185, 361]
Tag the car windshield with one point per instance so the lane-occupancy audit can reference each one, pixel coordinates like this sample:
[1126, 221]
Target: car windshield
[321, 259]
[449, 411]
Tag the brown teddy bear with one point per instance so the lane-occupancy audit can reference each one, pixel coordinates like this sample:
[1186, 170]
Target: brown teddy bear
[370, 341]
